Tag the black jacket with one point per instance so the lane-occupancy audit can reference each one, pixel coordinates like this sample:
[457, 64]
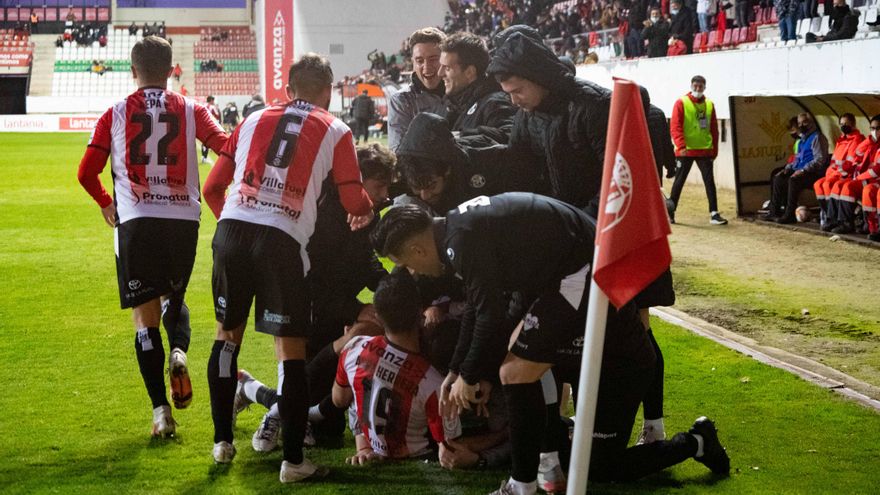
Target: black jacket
[657, 35]
[664, 153]
[481, 110]
[363, 107]
[682, 27]
[525, 243]
[849, 25]
[342, 262]
[251, 107]
[474, 171]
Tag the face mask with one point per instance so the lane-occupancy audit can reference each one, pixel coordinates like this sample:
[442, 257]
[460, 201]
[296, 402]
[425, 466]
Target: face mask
[655, 19]
[794, 135]
[845, 129]
[876, 134]
[697, 94]
[804, 129]
[673, 11]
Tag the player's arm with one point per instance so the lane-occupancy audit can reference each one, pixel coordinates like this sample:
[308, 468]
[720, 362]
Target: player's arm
[676, 125]
[364, 454]
[208, 131]
[341, 394]
[93, 163]
[221, 175]
[347, 177]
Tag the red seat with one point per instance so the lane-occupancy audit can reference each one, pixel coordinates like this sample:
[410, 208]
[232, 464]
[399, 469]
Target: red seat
[727, 40]
[712, 43]
[753, 33]
[699, 42]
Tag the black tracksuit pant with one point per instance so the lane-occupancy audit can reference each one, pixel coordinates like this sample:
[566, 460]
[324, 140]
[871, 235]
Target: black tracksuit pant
[684, 168]
[785, 190]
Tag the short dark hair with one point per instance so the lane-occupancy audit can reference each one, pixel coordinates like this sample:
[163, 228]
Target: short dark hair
[426, 35]
[848, 116]
[376, 161]
[309, 75]
[470, 49]
[151, 57]
[417, 171]
[399, 224]
[397, 302]
[500, 77]
[698, 79]
[209, 99]
[876, 117]
[793, 122]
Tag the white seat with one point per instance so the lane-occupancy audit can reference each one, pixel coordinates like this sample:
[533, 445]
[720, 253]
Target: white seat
[816, 23]
[825, 25]
[803, 27]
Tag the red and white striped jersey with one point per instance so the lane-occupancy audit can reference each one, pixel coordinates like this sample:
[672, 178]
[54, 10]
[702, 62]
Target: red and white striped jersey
[395, 397]
[150, 137]
[283, 155]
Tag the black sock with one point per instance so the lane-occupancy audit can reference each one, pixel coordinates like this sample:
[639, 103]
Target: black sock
[151, 361]
[175, 319]
[528, 417]
[222, 381]
[556, 431]
[294, 408]
[267, 396]
[321, 373]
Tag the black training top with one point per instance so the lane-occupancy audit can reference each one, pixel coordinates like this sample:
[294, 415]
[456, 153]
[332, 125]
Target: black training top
[510, 242]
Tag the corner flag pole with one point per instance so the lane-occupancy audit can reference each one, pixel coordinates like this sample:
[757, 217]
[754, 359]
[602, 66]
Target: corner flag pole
[591, 364]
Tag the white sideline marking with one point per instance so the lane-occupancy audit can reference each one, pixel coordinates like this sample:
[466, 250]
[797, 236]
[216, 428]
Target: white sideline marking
[759, 356]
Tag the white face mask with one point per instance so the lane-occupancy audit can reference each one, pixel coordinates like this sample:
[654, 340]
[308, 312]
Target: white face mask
[673, 11]
[655, 19]
[697, 94]
[876, 134]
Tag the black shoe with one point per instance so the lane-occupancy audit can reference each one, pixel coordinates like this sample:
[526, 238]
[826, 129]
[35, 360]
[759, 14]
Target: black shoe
[714, 456]
[828, 226]
[784, 219]
[874, 237]
[842, 229]
[717, 219]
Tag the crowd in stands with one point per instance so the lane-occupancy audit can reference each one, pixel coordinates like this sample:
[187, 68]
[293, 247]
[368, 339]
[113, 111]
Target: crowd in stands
[99, 67]
[210, 65]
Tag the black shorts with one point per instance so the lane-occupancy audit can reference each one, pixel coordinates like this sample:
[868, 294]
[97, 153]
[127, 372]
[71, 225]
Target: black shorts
[553, 328]
[154, 257]
[259, 262]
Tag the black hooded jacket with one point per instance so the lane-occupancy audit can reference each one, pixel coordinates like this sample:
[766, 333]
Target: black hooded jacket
[481, 110]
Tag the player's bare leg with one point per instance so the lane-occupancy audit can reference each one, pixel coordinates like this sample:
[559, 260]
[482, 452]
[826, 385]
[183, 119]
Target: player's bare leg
[151, 361]
[222, 381]
[293, 403]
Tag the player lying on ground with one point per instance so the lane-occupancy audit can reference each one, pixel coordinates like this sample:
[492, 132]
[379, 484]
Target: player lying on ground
[150, 138]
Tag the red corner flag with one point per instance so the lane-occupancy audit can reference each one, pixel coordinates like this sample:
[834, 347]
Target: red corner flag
[632, 248]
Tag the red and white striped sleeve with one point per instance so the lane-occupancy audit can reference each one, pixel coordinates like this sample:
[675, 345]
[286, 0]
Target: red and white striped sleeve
[95, 159]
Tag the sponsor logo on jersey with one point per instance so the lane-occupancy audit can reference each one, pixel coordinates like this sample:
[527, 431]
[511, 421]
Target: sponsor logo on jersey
[134, 284]
[221, 301]
[478, 181]
[620, 192]
[450, 253]
[530, 322]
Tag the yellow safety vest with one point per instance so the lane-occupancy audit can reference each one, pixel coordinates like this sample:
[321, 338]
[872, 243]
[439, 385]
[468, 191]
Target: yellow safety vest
[697, 136]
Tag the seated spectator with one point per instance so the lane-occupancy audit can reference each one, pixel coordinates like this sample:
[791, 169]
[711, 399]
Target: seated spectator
[656, 34]
[839, 169]
[809, 165]
[592, 58]
[681, 26]
[844, 24]
[102, 41]
[858, 171]
[59, 42]
[70, 20]
[145, 30]
[132, 29]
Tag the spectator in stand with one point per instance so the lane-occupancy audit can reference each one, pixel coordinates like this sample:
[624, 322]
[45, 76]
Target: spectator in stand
[183, 90]
[102, 41]
[744, 11]
[808, 166]
[844, 24]
[786, 12]
[426, 91]
[656, 34]
[638, 11]
[682, 24]
[362, 110]
[35, 21]
[839, 169]
[59, 42]
[145, 30]
[257, 103]
[177, 72]
[70, 20]
[694, 129]
[704, 13]
[132, 29]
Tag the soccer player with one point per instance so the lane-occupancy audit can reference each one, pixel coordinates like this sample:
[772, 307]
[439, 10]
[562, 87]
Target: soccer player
[538, 245]
[278, 161]
[149, 137]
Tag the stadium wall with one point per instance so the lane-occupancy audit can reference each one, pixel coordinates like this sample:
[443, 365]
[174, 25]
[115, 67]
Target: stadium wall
[184, 17]
[817, 68]
[347, 31]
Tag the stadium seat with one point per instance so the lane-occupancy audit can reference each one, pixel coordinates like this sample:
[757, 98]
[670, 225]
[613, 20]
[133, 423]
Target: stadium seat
[699, 41]
[727, 41]
[712, 42]
[819, 24]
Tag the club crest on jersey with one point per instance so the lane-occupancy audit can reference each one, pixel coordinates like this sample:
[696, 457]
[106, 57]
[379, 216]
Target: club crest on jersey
[478, 181]
[472, 109]
[620, 192]
[530, 322]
